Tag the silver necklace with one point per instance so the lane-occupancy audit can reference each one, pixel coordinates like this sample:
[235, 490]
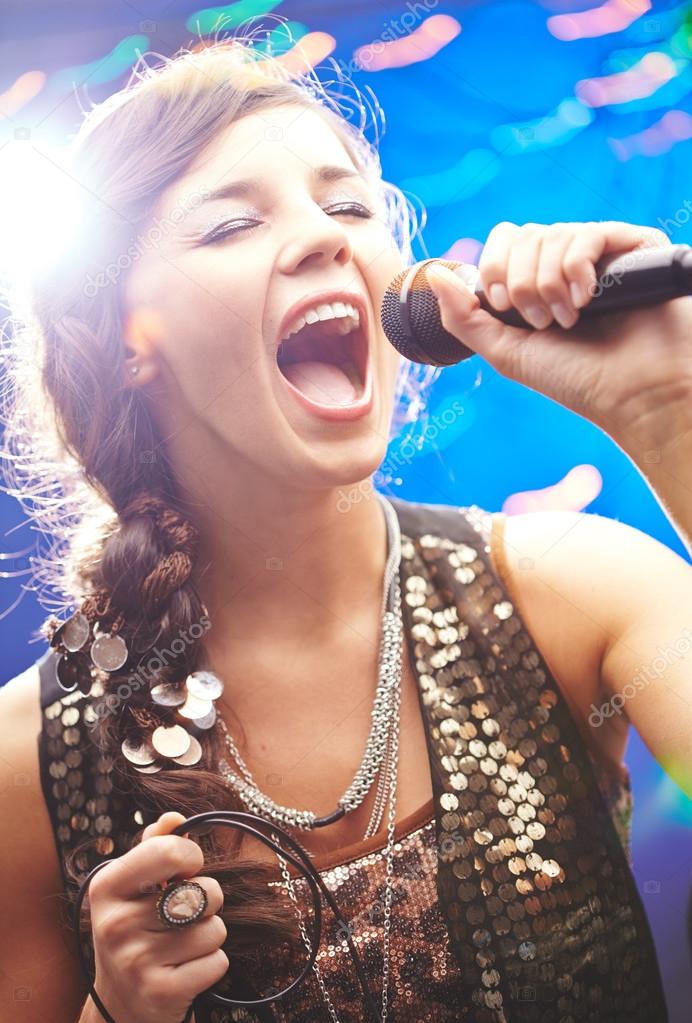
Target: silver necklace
[378, 746]
[381, 754]
[388, 891]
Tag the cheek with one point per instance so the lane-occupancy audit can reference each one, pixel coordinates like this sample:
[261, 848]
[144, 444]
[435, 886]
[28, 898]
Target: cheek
[226, 312]
[393, 362]
[206, 318]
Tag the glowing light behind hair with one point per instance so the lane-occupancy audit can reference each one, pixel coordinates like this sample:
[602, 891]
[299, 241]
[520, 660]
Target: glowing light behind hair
[21, 92]
[40, 208]
[423, 43]
[675, 126]
[647, 75]
[554, 129]
[210, 20]
[281, 39]
[103, 69]
[612, 16]
[460, 180]
[310, 51]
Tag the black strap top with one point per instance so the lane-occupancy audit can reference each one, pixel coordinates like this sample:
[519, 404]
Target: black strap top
[537, 913]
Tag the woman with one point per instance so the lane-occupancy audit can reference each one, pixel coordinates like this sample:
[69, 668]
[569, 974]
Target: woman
[230, 616]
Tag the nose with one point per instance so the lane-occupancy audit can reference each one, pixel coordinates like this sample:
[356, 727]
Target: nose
[317, 239]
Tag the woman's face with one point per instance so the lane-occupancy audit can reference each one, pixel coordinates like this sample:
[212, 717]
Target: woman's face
[206, 309]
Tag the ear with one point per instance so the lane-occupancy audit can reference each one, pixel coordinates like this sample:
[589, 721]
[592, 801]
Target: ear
[142, 331]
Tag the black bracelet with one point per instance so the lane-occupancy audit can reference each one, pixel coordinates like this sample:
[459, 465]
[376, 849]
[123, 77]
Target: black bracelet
[300, 859]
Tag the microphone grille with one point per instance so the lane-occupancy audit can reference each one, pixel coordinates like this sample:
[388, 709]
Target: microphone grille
[417, 331]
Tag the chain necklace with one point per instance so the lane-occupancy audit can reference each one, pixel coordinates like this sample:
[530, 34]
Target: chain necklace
[381, 754]
[388, 891]
[378, 746]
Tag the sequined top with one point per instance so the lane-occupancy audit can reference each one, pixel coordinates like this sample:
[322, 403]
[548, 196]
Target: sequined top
[513, 893]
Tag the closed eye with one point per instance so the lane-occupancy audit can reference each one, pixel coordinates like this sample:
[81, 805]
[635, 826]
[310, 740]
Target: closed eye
[232, 227]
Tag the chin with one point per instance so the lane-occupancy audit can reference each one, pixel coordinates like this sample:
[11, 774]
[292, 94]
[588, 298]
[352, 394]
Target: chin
[343, 464]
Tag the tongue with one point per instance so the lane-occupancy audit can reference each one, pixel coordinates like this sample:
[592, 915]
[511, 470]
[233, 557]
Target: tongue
[322, 382]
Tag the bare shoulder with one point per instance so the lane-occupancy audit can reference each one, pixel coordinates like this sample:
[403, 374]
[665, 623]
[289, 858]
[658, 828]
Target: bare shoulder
[558, 569]
[40, 970]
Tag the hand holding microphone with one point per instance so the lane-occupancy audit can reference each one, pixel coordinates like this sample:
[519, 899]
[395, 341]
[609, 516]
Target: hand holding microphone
[629, 372]
[411, 317]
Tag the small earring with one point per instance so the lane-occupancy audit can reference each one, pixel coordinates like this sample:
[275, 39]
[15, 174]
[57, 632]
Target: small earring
[134, 370]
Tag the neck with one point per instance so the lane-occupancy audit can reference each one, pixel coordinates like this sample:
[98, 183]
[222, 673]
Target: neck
[275, 573]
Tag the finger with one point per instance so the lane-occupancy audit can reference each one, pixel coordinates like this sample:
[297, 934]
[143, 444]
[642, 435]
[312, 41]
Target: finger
[199, 939]
[150, 865]
[144, 914]
[608, 237]
[164, 825]
[462, 316]
[522, 271]
[492, 265]
[619, 235]
[198, 975]
[457, 299]
[553, 285]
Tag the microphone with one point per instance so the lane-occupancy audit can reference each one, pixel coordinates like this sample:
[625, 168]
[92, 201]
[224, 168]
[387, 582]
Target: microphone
[410, 312]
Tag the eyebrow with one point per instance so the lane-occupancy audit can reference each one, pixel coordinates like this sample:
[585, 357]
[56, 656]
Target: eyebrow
[322, 175]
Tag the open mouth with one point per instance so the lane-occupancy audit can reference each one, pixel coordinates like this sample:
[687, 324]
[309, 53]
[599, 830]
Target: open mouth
[326, 360]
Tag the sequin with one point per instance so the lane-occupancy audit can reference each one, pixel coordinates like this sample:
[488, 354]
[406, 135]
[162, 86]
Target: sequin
[551, 893]
[71, 736]
[109, 652]
[191, 756]
[207, 721]
[74, 633]
[68, 671]
[148, 768]
[168, 695]
[205, 685]
[503, 610]
[170, 742]
[195, 708]
[140, 753]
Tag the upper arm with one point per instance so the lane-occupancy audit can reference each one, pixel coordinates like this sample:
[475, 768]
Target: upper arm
[552, 576]
[621, 602]
[647, 667]
[40, 975]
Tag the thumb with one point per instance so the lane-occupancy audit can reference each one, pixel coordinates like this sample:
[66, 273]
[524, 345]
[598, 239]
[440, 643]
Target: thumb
[462, 316]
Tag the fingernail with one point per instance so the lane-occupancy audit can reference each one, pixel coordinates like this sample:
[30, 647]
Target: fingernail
[538, 315]
[564, 316]
[575, 292]
[438, 272]
[498, 295]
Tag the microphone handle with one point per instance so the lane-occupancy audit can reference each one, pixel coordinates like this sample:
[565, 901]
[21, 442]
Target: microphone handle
[639, 278]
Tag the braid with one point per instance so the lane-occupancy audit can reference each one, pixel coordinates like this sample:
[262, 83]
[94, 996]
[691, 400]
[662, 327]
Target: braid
[142, 588]
[74, 436]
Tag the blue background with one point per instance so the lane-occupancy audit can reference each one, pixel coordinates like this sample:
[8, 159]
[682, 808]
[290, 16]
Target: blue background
[465, 140]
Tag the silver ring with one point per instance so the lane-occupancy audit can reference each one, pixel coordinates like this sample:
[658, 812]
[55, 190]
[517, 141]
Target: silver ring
[181, 903]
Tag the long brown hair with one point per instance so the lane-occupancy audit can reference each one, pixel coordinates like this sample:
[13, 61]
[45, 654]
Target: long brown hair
[82, 455]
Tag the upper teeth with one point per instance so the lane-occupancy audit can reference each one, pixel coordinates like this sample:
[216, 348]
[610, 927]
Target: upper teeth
[328, 311]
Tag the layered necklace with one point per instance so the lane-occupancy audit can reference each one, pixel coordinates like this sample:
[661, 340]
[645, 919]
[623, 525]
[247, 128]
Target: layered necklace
[381, 757]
